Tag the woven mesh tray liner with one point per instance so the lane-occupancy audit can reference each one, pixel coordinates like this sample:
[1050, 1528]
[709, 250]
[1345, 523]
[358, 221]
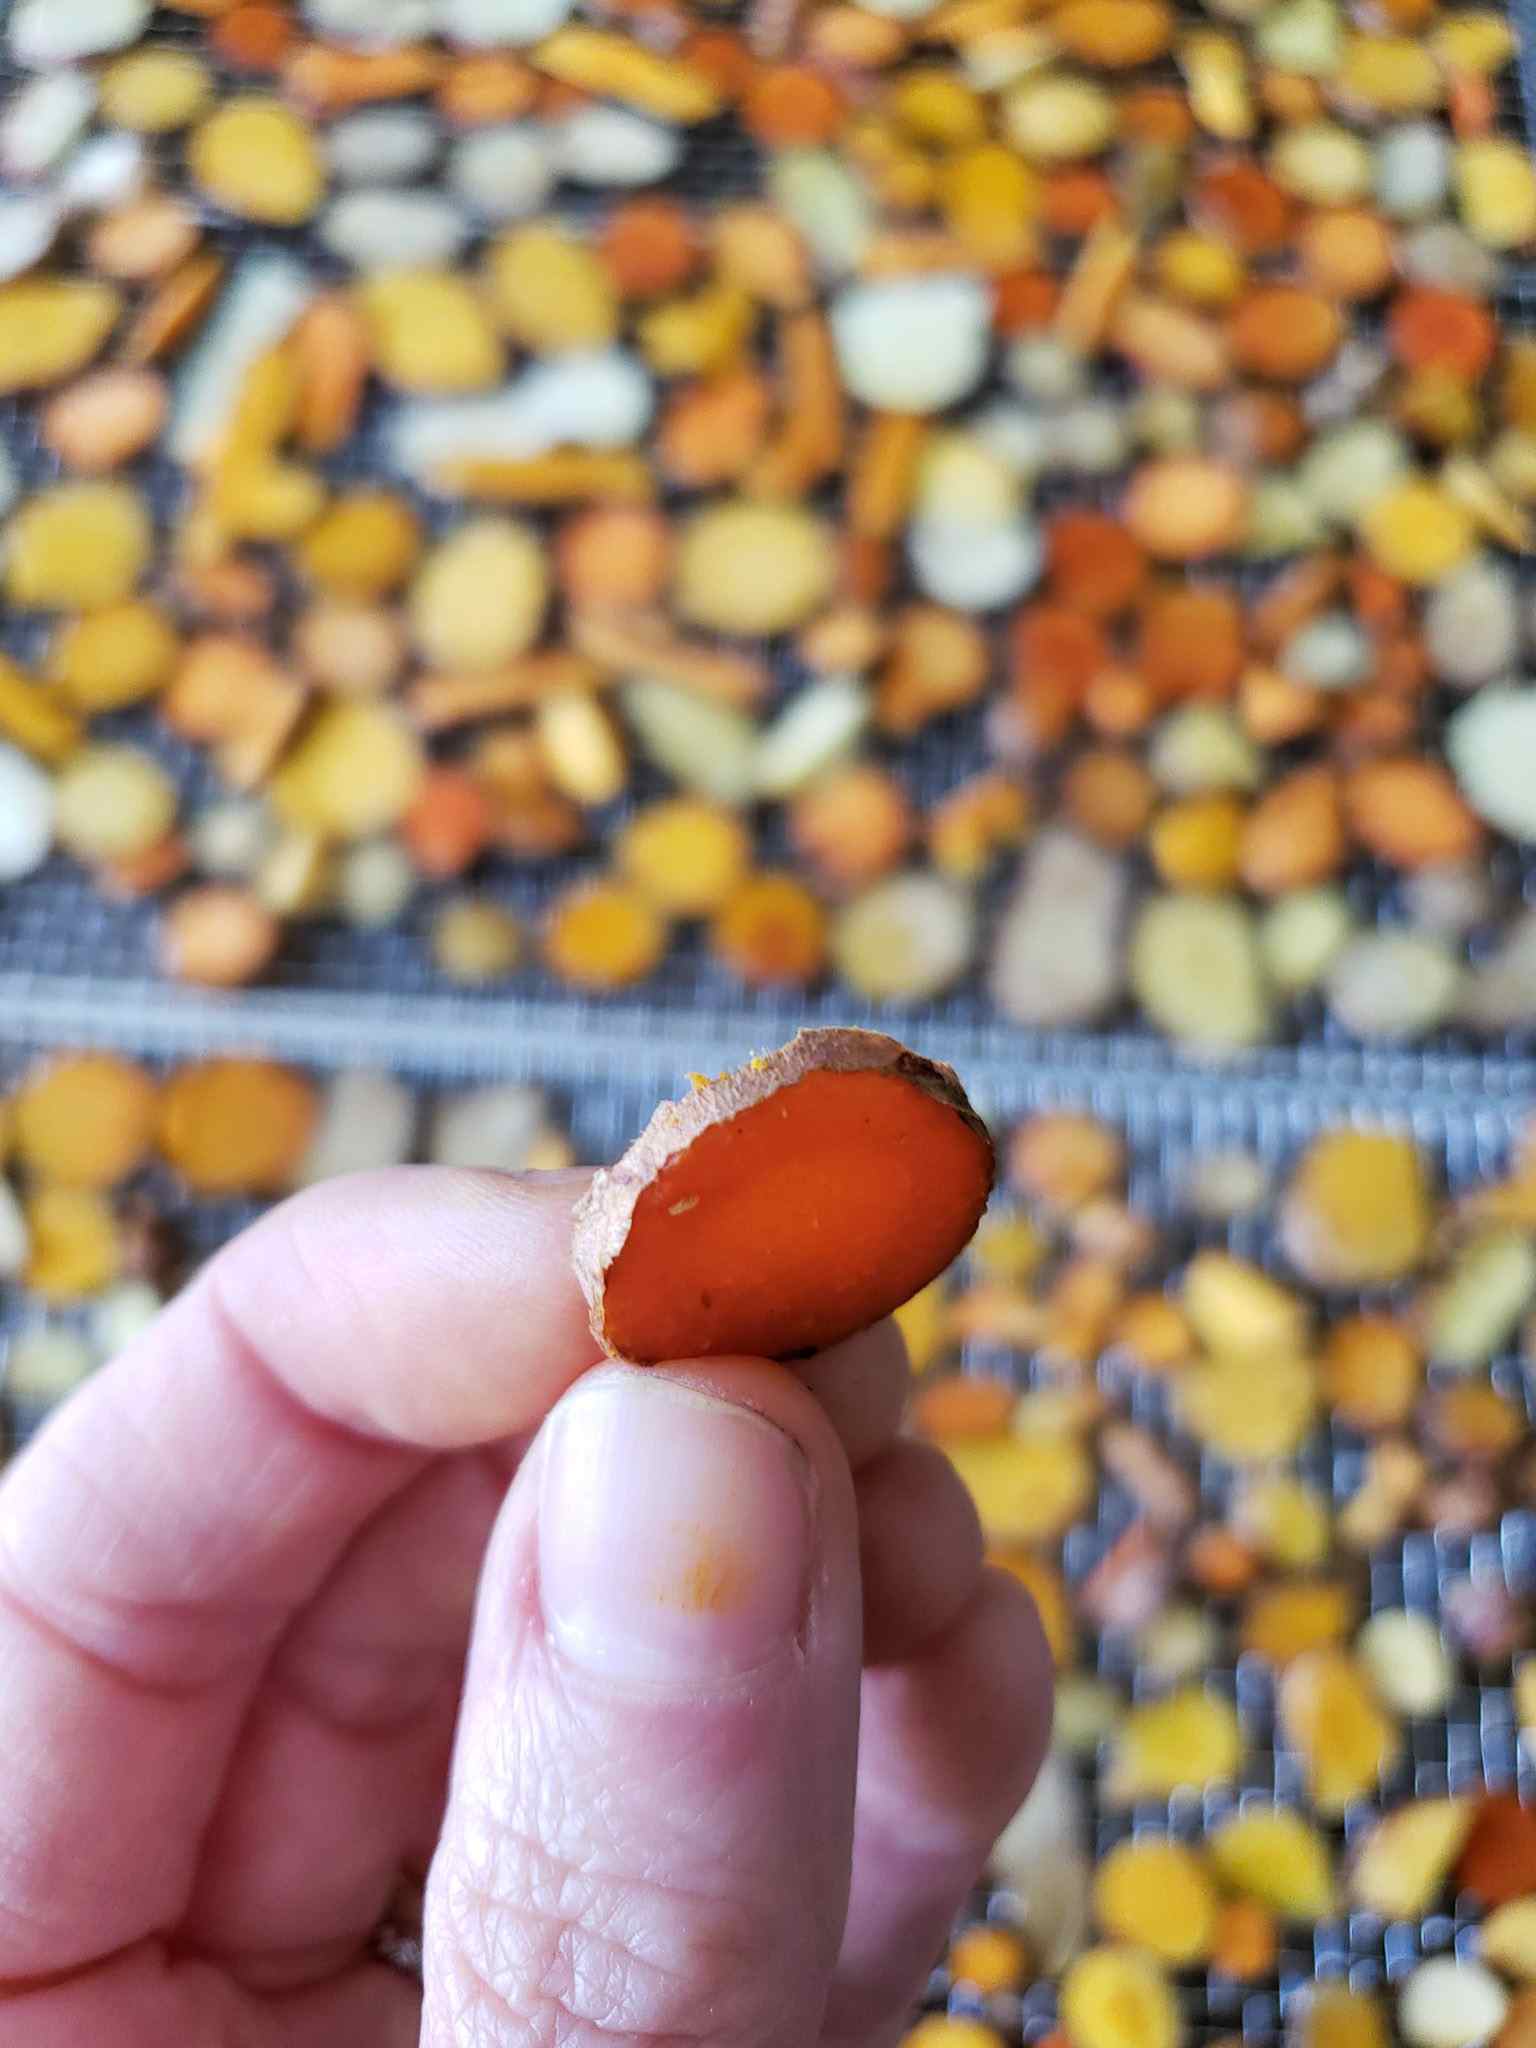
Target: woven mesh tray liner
[1168, 1125]
[54, 925]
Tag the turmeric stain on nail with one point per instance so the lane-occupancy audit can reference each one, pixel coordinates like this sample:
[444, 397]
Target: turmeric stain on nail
[711, 1576]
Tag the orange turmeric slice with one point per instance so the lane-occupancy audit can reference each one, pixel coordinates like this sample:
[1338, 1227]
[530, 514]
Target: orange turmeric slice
[1191, 642]
[1346, 252]
[75, 1243]
[1182, 508]
[1093, 564]
[1242, 203]
[772, 931]
[1114, 35]
[725, 1228]
[86, 1120]
[1285, 333]
[237, 1126]
[650, 246]
[604, 935]
[1431, 329]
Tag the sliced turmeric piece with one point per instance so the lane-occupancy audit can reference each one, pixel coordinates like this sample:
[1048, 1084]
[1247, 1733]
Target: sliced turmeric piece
[1093, 564]
[1372, 1370]
[1113, 1997]
[1284, 1621]
[687, 856]
[356, 770]
[75, 1243]
[1346, 253]
[50, 327]
[1025, 1489]
[1284, 332]
[604, 935]
[1157, 1894]
[1275, 1856]
[1357, 1212]
[1191, 641]
[599, 61]
[772, 931]
[85, 1120]
[810, 446]
[1247, 1941]
[330, 78]
[963, 1405]
[993, 1958]
[1402, 1865]
[1339, 2016]
[1408, 811]
[1344, 1736]
[650, 246]
[1191, 1737]
[1248, 1410]
[260, 160]
[643, 643]
[1182, 508]
[1114, 35]
[723, 1230]
[1417, 532]
[237, 1126]
[1063, 1158]
[332, 354]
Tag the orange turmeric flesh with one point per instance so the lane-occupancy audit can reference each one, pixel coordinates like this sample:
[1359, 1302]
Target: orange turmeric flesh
[782, 1208]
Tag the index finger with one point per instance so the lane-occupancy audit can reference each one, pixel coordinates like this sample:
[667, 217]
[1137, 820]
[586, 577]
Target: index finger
[159, 1535]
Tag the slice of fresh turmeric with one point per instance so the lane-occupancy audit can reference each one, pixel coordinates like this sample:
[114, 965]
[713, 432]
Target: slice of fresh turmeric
[781, 1208]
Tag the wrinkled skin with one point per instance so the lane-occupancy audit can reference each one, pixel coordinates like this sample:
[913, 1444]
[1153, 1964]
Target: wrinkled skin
[251, 1571]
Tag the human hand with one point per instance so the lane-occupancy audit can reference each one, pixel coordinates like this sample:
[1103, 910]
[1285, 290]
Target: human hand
[251, 1570]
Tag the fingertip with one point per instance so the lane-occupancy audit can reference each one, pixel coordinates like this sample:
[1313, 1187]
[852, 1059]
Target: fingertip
[862, 1384]
[433, 1305]
[965, 1722]
[920, 1549]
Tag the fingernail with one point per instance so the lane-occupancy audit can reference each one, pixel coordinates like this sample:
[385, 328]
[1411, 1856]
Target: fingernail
[674, 1532]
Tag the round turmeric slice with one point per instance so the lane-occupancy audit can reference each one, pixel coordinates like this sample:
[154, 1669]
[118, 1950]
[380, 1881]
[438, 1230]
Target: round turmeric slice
[85, 1120]
[1183, 508]
[779, 1209]
[1114, 35]
[1285, 333]
[237, 1126]
[1347, 252]
[604, 935]
[75, 1244]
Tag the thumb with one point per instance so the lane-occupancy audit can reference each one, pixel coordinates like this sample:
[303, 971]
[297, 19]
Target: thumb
[649, 1826]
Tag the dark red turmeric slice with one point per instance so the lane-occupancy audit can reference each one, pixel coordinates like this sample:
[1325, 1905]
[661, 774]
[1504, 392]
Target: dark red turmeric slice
[1431, 329]
[781, 1208]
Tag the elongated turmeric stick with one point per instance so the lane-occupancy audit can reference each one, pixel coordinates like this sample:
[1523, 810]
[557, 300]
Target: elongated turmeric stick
[329, 79]
[438, 702]
[810, 446]
[643, 643]
[884, 474]
[781, 1208]
[566, 476]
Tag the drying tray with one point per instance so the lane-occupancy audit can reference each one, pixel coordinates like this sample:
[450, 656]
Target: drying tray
[1168, 1123]
[59, 937]
[74, 970]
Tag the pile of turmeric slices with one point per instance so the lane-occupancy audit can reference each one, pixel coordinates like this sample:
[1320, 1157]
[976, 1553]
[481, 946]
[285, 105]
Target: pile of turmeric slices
[581, 475]
[1270, 1503]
